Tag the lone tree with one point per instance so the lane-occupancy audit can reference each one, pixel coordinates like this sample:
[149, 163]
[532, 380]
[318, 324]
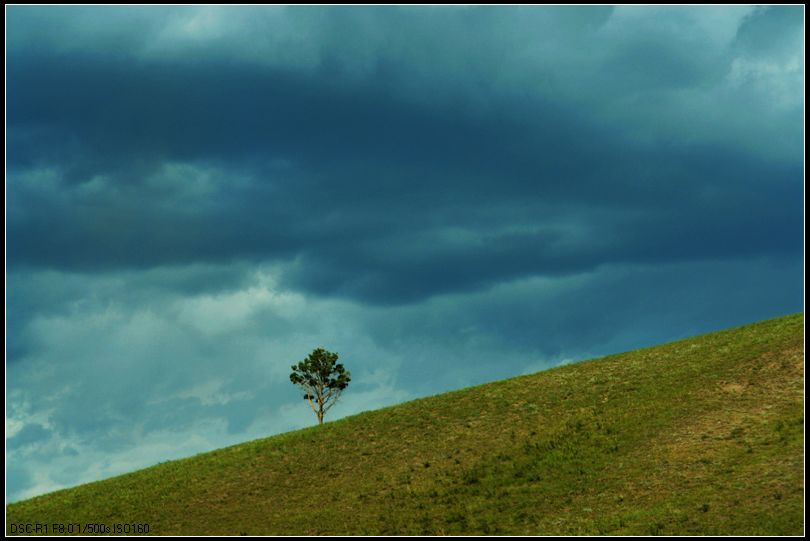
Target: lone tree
[322, 379]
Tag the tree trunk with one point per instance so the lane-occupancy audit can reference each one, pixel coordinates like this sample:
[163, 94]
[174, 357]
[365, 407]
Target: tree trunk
[320, 410]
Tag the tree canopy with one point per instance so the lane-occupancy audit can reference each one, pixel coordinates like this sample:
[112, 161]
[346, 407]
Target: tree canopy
[322, 379]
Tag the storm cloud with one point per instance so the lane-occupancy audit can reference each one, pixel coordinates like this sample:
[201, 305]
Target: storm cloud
[198, 196]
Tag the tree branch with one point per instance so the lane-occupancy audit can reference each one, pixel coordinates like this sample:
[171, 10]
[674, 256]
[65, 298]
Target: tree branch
[337, 395]
[311, 404]
[309, 392]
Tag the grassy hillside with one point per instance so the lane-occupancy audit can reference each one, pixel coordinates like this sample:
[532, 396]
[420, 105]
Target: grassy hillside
[700, 436]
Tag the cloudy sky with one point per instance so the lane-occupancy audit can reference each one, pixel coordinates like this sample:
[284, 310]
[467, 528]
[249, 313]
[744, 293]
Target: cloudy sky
[198, 197]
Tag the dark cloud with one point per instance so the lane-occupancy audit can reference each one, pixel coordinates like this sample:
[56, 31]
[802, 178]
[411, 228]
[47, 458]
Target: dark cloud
[535, 323]
[360, 157]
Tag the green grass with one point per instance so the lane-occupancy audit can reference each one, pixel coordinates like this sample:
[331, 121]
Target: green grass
[700, 436]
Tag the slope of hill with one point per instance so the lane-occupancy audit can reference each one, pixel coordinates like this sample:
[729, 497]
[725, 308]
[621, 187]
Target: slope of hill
[700, 436]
